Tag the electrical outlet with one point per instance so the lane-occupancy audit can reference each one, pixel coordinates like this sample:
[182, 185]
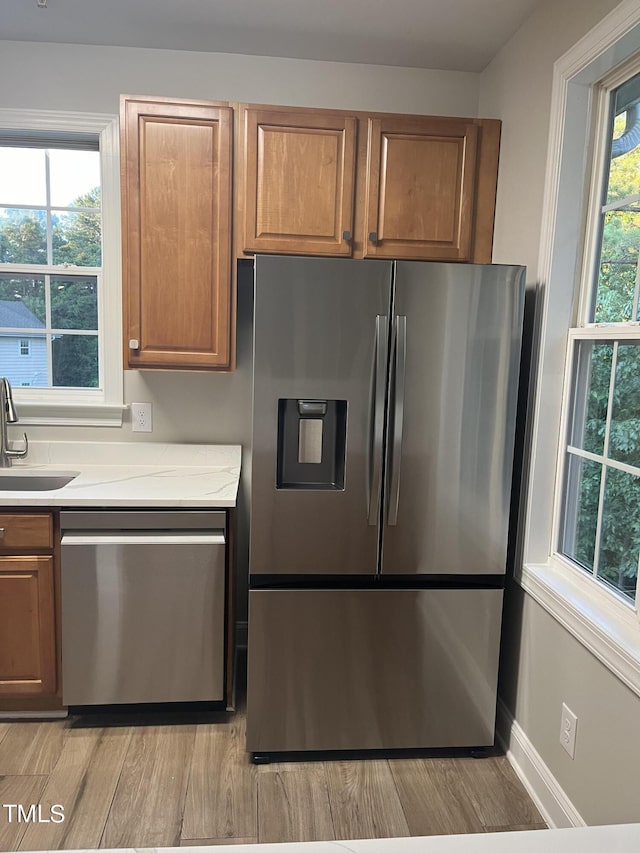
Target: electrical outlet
[141, 417]
[568, 725]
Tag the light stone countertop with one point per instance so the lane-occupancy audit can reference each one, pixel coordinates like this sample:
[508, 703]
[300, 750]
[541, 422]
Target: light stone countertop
[130, 474]
[623, 838]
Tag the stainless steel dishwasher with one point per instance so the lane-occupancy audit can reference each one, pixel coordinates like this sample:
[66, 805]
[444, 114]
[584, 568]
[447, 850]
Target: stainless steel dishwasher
[143, 606]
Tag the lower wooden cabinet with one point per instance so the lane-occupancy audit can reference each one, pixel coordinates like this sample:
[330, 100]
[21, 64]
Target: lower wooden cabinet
[29, 581]
[27, 627]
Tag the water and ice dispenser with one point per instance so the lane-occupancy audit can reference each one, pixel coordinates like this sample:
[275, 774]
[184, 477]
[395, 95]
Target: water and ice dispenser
[312, 437]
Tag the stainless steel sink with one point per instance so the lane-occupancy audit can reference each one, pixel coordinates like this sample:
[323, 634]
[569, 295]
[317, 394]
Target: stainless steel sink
[34, 482]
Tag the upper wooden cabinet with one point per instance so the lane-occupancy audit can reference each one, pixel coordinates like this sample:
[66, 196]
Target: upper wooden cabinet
[176, 229]
[299, 174]
[367, 185]
[420, 192]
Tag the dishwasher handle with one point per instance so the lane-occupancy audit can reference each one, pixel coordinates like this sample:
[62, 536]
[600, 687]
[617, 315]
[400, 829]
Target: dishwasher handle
[142, 519]
[142, 538]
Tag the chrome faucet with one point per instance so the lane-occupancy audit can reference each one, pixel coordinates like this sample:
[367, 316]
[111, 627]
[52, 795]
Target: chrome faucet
[8, 415]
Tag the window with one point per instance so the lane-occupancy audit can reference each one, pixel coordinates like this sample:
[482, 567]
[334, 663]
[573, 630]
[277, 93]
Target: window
[60, 266]
[600, 521]
[50, 218]
[578, 544]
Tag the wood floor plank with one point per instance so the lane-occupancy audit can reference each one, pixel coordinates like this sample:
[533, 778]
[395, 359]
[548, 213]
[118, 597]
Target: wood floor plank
[4, 728]
[93, 804]
[149, 800]
[83, 781]
[364, 800]
[522, 828]
[433, 797]
[294, 806]
[208, 842]
[31, 749]
[14, 790]
[497, 795]
[221, 792]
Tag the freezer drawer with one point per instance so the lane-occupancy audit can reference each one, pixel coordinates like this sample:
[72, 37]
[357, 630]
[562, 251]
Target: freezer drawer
[142, 617]
[372, 669]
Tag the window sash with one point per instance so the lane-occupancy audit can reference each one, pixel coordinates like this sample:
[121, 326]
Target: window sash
[598, 333]
[89, 406]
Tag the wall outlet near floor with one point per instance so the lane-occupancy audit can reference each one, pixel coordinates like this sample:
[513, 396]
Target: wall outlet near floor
[141, 417]
[568, 725]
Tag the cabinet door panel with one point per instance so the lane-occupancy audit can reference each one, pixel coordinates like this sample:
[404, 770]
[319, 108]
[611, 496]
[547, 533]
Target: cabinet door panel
[420, 188]
[299, 181]
[27, 632]
[176, 234]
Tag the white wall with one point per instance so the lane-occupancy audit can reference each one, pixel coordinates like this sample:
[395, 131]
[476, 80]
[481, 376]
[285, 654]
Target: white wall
[84, 77]
[543, 665]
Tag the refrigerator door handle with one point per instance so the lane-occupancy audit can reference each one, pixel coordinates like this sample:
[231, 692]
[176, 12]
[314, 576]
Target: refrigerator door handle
[379, 380]
[400, 364]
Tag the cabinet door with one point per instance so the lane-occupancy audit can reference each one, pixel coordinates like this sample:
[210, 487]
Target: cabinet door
[27, 627]
[176, 182]
[420, 188]
[299, 170]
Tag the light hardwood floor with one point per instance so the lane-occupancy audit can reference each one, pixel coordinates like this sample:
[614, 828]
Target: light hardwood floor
[187, 780]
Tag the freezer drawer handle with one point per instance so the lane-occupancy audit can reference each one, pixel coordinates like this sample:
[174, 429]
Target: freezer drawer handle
[375, 480]
[400, 364]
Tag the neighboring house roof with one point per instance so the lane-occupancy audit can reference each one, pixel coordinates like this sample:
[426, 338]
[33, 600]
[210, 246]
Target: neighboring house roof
[15, 315]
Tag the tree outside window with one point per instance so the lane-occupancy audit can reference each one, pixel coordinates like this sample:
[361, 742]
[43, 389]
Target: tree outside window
[50, 260]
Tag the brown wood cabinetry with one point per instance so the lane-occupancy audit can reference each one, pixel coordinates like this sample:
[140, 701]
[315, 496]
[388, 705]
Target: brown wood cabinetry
[176, 229]
[28, 602]
[420, 188]
[388, 186]
[314, 182]
[299, 172]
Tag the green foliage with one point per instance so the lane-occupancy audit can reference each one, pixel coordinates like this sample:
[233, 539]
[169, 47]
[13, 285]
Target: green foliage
[75, 361]
[76, 236]
[620, 535]
[23, 237]
[620, 243]
[76, 240]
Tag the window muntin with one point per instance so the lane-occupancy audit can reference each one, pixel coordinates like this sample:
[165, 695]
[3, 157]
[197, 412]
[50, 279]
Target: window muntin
[600, 515]
[50, 261]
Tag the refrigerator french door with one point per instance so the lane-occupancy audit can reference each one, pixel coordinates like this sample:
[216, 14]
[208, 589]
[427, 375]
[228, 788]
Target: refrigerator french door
[384, 405]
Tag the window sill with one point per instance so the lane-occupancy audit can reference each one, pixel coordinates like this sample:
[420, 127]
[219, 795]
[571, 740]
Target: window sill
[608, 629]
[69, 414]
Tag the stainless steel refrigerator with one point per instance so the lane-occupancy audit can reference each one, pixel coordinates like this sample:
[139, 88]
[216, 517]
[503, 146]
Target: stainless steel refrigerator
[384, 403]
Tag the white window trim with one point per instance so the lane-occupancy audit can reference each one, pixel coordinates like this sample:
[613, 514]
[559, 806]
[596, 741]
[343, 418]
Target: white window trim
[609, 628]
[88, 407]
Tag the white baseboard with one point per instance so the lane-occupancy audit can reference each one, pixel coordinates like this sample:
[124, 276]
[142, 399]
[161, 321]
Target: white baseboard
[544, 789]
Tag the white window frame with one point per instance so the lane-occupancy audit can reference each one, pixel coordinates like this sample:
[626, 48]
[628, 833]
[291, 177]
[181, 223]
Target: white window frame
[606, 625]
[91, 406]
[24, 346]
[587, 330]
